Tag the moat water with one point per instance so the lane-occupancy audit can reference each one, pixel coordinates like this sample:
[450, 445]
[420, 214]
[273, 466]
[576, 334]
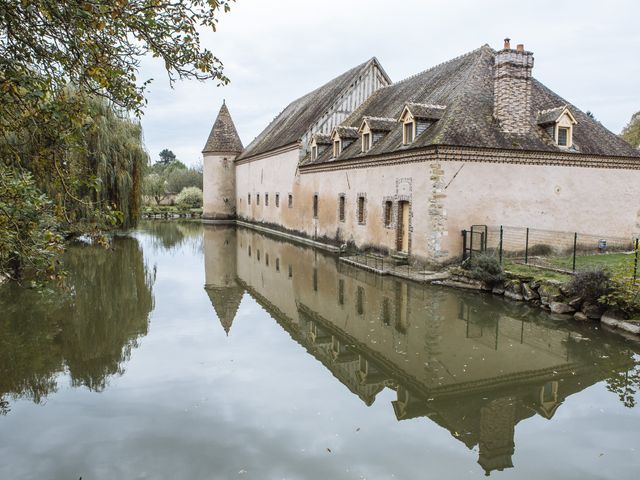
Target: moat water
[191, 352]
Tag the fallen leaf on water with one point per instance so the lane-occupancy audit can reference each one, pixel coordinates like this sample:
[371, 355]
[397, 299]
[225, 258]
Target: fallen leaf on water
[329, 450]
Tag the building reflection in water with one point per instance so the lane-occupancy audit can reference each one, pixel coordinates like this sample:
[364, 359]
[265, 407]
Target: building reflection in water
[473, 364]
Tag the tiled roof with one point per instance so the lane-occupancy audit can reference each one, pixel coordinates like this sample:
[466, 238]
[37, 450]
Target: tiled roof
[292, 123]
[381, 124]
[224, 136]
[345, 131]
[551, 115]
[322, 138]
[423, 111]
[464, 85]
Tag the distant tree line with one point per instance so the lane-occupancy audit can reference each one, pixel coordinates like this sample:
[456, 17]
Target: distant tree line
[168, 177]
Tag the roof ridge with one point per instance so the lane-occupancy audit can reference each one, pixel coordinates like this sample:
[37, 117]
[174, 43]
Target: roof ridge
[444, 63]
[378, 118]
[553, 108]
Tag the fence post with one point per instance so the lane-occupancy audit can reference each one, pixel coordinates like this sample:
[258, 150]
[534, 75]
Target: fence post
[471, 243]
[575, 245]
[635, 261]
[526, 248]
[501, 236]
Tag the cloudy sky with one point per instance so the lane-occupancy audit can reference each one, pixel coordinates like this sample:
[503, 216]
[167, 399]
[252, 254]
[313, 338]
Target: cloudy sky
[275, 51]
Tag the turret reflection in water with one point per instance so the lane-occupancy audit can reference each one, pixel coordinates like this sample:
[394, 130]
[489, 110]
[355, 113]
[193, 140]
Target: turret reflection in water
[89, 330]
[473, 364]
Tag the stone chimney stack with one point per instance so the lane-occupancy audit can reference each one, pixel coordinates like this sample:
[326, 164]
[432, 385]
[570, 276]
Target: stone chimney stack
[512, 88]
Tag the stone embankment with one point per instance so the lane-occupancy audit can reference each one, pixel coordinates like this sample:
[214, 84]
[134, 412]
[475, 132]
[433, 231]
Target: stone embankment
[549, 295]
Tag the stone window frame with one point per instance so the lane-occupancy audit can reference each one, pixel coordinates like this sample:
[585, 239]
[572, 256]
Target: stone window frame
[315, 205]
[361, 210]
[342, 207]
[277, 199]
[290, 200]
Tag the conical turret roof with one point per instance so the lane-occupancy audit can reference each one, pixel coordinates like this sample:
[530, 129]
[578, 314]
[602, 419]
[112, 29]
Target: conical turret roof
[225, 301]
[224, 136]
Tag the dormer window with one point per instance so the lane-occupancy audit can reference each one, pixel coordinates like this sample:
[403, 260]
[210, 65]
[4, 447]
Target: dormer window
[372, 129]
[416, 118]
[342, 137]
[319, 143]
[558, 123]
[408, 133]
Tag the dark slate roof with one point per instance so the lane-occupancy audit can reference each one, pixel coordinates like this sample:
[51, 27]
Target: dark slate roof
[422, 111]
[464, 85]
[347, 132]
[381, 124]
[550, 115]
[292, 123]
[224, 136]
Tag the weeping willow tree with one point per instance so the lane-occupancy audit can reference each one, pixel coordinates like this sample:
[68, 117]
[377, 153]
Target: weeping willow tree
[107, 167]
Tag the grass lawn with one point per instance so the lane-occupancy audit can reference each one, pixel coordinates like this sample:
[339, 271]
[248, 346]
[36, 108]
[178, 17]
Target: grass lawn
[535, 272]
[616, 262]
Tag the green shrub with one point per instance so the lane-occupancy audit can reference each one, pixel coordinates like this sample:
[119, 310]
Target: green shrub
[590, 284]
[485, 268]
[189, 197]
[624, 294]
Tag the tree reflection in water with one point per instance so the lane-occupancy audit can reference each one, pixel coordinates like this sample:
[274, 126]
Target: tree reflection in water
[90, 330]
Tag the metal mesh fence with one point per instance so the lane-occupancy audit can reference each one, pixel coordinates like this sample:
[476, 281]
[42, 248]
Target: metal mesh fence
[554, 250]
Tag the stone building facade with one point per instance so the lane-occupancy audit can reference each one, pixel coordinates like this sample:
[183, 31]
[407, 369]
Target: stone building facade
[404, 167]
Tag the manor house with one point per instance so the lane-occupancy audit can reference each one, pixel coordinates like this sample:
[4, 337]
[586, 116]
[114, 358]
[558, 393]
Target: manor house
[405, 166]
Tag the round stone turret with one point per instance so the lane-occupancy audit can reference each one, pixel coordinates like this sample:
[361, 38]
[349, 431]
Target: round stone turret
[219, 183]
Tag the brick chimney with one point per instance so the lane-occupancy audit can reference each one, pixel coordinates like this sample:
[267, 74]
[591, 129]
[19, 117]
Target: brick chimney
[512, 88]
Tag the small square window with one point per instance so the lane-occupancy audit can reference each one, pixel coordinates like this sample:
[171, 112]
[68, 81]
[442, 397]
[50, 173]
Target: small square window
[266, 199]
[341, 207]
[277, 200]
[336, 148]
[366, 142]
[290, 201]
[563, 136]
[315, 206]
[249, 198]
[408, 133]
[257, 199]
[361, 210]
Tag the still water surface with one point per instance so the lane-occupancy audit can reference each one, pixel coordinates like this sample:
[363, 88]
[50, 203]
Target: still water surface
[190, 352]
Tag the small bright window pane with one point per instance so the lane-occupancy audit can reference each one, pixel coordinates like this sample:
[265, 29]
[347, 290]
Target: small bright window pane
[563, 137]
